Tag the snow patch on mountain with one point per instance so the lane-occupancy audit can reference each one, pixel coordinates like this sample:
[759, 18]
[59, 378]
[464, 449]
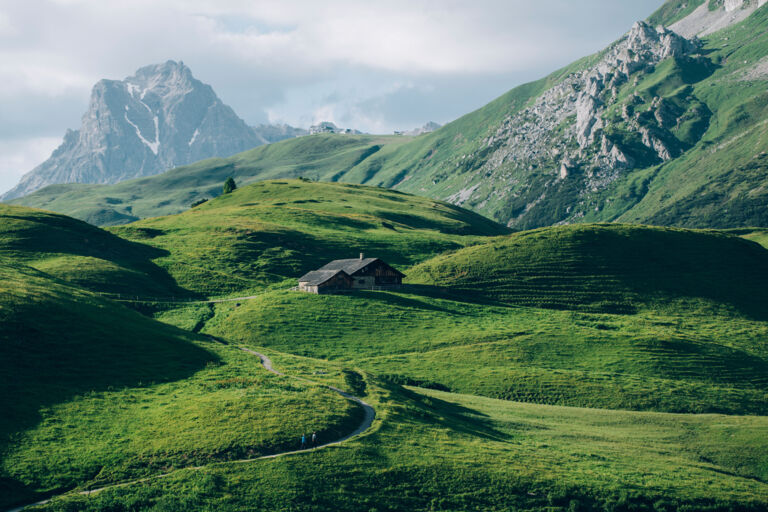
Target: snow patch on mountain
[159, 118]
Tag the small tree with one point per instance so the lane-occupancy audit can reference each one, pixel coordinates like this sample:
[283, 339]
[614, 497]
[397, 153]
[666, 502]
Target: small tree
[229, 185]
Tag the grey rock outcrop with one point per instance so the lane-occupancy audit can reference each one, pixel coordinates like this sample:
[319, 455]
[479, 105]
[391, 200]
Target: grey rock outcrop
[328, 127]
[563, 132]
[159, 118]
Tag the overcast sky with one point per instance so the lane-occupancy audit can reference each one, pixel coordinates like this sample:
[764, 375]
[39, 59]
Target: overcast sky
[376, 65]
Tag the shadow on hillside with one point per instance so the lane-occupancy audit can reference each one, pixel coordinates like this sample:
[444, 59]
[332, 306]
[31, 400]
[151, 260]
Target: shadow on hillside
[51, 354]
[40, 235]
[408, 297]
[290, 252]
[433, 411]
[442, 292]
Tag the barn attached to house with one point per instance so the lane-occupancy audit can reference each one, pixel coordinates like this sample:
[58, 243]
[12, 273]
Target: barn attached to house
[360, 273]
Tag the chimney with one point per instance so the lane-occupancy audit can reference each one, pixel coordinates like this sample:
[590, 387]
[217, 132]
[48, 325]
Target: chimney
[362, 256]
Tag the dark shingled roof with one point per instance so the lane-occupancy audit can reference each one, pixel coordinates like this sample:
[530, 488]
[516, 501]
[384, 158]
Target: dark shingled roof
[348, 266]
[318, 277]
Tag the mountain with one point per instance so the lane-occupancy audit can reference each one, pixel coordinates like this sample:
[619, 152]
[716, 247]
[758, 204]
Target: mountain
[662, 127]
[277, 132]
[159, 118]
[643, 131]
[428, 127]
[329, 127]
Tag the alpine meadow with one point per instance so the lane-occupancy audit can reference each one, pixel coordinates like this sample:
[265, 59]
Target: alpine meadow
[557, 302]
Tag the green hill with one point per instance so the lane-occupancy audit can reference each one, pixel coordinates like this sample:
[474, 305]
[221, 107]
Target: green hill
[94, 392]
[593, 316]
[441, 451]
[81, 254]
[623, 317]
[271, 231]
[607, 268]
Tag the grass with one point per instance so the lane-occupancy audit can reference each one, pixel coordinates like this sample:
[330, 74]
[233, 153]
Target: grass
[441, 451]
[81, 254]
[262, 234]
[606, 268]
[94, 392]
[231, 409]
[605, 316]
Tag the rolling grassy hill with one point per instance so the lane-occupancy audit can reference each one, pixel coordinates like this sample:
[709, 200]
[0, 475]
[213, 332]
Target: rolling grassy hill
[317, 157]
[607, 268]
[441, 451]
[593, 316]
[94, 392]
[268, 232]
[81, 254]
[607, 316]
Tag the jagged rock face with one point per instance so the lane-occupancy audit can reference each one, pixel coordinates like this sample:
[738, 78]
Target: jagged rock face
[564, 133]
[160, 118]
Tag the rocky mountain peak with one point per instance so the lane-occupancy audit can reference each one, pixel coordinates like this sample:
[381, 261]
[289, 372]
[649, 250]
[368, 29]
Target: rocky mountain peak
[160, 117]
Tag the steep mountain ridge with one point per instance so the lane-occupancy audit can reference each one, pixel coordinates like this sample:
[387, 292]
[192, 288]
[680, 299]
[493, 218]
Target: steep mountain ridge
[159, 118]
[570, 148]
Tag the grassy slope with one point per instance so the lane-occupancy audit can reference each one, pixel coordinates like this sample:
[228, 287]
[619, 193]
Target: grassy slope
[720, 182]
[439, 451]
[276, 230]
[688, 340]
[81, 254]
[607, 268]
[80, 373]
[316, 157]
[678, 352]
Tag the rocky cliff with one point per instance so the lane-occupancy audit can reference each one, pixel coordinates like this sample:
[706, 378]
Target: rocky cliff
[590, 124]
[159, 118]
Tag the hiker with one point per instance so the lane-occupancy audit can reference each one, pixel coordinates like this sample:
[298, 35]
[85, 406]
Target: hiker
[303, 442]
[314, 439]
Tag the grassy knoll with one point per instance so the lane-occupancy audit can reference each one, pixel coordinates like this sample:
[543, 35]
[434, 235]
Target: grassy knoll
[759, 235]
[440, 451]
[274, 230]
[607, 268]
[81, 254]
[93, 392]
[641, 329]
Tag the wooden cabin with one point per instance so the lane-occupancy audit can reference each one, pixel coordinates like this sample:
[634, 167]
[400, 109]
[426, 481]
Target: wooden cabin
[359, 273]
[325, 281]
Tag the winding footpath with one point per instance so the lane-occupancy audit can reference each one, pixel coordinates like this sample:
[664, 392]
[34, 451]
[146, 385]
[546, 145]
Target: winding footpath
[370, 415]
